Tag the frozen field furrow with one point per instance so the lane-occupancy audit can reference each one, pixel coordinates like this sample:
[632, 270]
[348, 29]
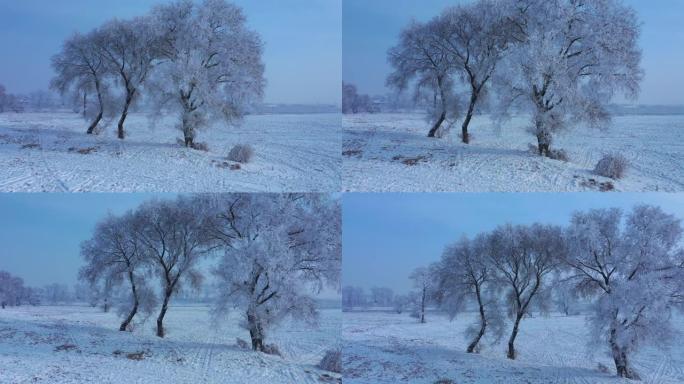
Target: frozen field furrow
[50, 152]
[390, 152]
[65, 345]
[384, 347]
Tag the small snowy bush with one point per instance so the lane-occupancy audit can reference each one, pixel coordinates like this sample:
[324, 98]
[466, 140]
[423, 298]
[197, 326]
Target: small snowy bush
[602, 368]
[612, 166]
[241, 154]
[201, 146]
[559, 154]
[272, 349]
[332, 361]
[241, 343]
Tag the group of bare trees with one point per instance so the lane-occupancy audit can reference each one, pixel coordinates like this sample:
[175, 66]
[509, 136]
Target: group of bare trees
[273, 250]
[13, 292]
[353, 102]
[8, 101]
[560, 60]
[198, 60]
[627, 268]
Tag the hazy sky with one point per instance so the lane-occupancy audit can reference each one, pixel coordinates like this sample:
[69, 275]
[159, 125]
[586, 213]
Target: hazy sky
[385, 236]
[372, 27]
[41, 233]
[302, 41]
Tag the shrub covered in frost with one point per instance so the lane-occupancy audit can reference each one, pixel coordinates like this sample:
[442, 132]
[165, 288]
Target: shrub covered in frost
[332, 361]
[242, 344]
[612, 166]
[241, 153]
[272, 349]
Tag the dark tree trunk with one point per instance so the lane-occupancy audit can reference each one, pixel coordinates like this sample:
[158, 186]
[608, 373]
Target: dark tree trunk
[97, 119]
[106, 305]
[483, 322]
[422, 307]
[256, 332]
[162, 313]
[85, 98]
[442, 116]
[136, 302]
[3, 305]
[124, 114]
[469, 115]
[438, 123]
[514, 334]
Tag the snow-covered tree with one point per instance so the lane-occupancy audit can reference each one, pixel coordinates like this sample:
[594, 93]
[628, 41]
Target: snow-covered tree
[114, 255]
[80, 69]
[571, 59]
[173, 237]
[381, 296]
[277, 250]
[353, 102]
[464, 275]
[8, 101]
[56, 294]
[400, 302]
[211, 65]
[12, 290]
[420, 59]
[475, 38]
[353, 297]
[634, 269]
[129, 49]
[522, 258]
[423, 281]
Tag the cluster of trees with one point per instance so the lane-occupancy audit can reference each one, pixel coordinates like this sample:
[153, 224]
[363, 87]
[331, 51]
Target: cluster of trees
[9, 102]
[628, 268]
[353, 102]
[561, 60]
[13, 292]
[273, 252]
[357, 297]
[196, 59]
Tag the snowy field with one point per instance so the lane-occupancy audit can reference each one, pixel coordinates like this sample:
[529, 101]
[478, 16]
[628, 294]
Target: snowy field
[52, 153]
[390, 152]
[390, 348]
[82, 345]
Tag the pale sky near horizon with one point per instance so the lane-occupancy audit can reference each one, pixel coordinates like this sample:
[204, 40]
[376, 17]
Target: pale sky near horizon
[303, 52]
[370, 28]
[385, 236]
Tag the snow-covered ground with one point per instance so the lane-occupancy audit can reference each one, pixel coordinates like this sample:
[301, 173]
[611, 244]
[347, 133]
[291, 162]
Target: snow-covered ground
[390, 152]
[51, 152]
[383, 347]
[82, 345]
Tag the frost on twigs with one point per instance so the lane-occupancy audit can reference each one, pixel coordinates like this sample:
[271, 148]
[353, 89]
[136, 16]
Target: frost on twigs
[612, 166]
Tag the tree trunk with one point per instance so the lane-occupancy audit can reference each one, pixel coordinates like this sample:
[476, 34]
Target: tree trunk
[514, 334]
[85, 98]
[483, 323]
[162, 313]
[106, 305]
[188, 130]
[620, 358]
[124, 114]
[469, 115]
[97, 119]
[256, 332]
[442, 116]
[3, 305]
[136, 302]
[422, 308]
[438, 123]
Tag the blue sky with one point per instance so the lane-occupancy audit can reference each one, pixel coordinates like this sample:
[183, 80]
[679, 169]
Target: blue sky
[372, 27]
[385, 236]
[302, 55]
[41, 233]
